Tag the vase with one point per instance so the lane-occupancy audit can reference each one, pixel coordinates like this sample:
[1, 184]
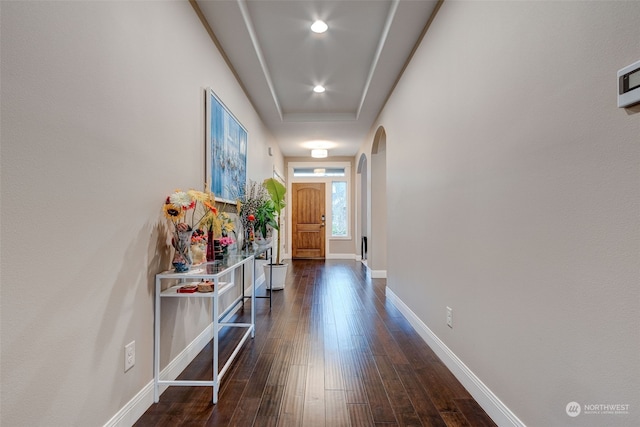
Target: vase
[217, 249]
[249, 236]
[239, 241]
[182, 258]
[210, 249]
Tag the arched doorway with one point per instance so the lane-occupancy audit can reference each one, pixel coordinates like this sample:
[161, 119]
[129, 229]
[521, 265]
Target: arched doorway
[377, 254]
[363, 207]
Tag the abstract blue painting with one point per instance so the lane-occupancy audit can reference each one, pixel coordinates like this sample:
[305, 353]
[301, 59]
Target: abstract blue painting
[226, 151]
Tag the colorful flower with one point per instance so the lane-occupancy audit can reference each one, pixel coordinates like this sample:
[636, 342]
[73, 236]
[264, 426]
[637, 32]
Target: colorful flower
[182, 199]
[200, 196]
[173, 212]
[212, 208]
[226, 241]
[227, 223]
[198, 236]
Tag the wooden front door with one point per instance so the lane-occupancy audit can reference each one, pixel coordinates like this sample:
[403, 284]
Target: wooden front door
[307, 218]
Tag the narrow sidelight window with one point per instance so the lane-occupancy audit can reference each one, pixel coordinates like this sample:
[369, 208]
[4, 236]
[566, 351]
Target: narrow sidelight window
[339, 217]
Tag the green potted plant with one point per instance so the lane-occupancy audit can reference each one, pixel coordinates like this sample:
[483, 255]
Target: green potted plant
[278, 269]
[265, 220]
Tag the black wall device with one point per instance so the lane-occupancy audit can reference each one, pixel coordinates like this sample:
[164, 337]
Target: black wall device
[629, 85]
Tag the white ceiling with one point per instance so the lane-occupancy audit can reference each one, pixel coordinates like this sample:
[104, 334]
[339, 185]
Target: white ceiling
[278, 60]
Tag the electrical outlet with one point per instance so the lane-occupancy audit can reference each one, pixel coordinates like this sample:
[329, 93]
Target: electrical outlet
[129, 355]
[450, 317]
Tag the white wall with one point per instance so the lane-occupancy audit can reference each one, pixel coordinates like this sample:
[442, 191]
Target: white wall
[513, 180]
[102, 117]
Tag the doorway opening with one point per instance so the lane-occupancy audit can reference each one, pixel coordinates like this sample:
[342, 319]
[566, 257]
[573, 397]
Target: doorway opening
[364, 207]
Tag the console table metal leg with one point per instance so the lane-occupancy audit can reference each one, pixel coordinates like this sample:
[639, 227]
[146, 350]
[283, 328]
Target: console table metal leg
[216, 329]
[253, 300]
[156, 344]
[270, 277]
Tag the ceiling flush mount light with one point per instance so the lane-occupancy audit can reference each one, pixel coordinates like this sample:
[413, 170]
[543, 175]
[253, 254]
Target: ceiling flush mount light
[319, 89]
[319, 27]
[319, 154]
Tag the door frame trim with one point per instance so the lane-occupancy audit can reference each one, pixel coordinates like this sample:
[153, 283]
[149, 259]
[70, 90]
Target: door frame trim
[311, 225]
[351, 209]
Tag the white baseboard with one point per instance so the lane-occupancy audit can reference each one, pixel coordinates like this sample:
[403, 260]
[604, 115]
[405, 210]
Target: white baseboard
[336, 256]
[340, 256]
[332, 256]
[492, 405]
[133, 410]
[375, 274]
[260, 280]
[378, 274]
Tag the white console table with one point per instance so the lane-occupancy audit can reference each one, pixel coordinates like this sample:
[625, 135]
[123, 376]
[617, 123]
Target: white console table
[212, 271]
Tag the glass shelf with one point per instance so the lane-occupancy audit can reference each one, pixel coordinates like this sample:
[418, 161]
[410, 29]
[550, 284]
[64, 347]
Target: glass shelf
[173, 291]
[213, 269]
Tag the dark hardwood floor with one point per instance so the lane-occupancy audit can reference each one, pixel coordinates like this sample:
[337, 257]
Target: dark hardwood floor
[331, 352]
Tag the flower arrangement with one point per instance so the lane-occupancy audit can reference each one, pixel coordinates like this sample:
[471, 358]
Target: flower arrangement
[187, 211]
[198, 237]
[180, 204]
[252, 212]
[248, 203]
[226, 241]
[220, 224]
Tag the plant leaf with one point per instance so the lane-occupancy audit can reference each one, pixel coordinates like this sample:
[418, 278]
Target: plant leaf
[276, 191]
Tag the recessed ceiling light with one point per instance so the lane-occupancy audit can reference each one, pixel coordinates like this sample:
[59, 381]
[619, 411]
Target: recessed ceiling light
[319, 154]
[319, 27]
[319, 89]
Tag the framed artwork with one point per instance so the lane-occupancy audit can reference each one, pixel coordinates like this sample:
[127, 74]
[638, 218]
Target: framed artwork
[226, 151]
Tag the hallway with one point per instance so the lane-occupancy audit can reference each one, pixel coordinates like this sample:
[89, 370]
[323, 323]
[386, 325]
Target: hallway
[332, 352]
